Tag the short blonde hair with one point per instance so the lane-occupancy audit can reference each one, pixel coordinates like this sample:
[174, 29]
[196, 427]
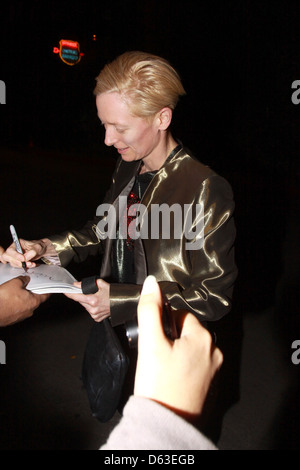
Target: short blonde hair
[147, 82]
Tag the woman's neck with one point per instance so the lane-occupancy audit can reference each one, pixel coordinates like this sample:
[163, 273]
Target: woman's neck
[155, 162]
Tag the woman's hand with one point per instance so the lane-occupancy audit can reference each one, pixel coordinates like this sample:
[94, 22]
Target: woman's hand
[33, 250]
[97, 305]
[177, 374]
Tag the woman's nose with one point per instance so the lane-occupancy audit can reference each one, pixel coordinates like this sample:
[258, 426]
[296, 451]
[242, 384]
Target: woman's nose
[110, 136]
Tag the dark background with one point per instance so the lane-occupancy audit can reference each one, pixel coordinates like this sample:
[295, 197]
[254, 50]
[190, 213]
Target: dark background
[237, 61]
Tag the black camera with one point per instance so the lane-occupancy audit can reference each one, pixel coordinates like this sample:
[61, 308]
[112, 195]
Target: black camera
[168, 321]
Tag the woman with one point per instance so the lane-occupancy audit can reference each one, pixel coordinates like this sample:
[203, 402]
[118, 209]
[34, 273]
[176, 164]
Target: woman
[194, 264]
[136, 95]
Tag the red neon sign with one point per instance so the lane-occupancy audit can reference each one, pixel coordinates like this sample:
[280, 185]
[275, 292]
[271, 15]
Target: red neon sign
[69, 51]
[70, 44]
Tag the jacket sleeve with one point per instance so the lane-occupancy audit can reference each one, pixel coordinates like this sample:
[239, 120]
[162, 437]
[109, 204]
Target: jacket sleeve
[147, 425]
[77, 245]
[212, 268]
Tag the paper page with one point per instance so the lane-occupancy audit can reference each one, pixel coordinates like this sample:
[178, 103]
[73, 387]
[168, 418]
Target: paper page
[43, 278]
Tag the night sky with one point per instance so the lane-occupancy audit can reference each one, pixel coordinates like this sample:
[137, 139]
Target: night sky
[237, 61]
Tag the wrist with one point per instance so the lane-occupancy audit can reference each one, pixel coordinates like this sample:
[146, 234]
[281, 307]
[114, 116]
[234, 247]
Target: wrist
[48, 248]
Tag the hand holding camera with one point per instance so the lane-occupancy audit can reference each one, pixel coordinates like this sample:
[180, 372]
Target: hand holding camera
[176, 373]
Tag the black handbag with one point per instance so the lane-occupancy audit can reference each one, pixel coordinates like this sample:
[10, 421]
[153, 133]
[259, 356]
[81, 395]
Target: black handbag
[104, 367]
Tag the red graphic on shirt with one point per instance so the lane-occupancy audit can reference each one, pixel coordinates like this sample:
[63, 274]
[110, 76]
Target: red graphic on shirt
[132, 199]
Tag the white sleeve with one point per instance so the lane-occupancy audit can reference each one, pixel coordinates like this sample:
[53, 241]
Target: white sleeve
[147, 425]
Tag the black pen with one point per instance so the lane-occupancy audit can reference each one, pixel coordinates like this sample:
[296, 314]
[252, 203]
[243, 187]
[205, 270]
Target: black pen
[17, 244]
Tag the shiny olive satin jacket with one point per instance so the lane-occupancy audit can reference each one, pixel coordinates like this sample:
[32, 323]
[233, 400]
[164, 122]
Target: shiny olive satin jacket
[197, 277]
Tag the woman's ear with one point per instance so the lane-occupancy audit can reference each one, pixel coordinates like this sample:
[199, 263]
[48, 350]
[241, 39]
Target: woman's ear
[164, 117]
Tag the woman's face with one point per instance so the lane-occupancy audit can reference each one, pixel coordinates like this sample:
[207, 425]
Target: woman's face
[134, 138]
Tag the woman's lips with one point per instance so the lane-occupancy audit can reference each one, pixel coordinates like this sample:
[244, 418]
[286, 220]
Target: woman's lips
[122, 150]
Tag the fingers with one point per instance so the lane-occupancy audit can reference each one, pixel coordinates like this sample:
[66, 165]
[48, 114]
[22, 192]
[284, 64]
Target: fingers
[31, 255]
[192, 327]
[2, 251]
[17, 302]
[19, 282]
[195, 331]
[98, 304]
[12, 257]
[24, 280]
[84, 299]
[149, 311]
[32, 251]
[77, 284]
[90, 303]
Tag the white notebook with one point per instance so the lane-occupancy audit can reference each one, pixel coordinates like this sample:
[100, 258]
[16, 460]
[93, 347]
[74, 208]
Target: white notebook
[44, 279]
